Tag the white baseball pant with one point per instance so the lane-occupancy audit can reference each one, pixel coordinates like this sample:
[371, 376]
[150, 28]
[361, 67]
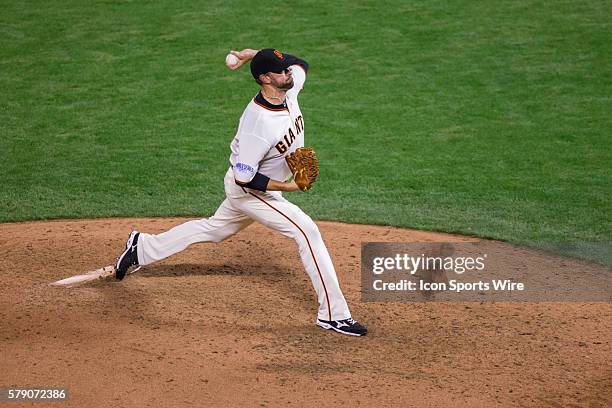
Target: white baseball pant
[239, 209]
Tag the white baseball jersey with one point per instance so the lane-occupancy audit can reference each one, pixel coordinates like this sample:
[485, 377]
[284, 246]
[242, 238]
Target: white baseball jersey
[267, 133]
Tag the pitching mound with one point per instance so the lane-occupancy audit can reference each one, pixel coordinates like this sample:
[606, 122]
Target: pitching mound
[232, 324]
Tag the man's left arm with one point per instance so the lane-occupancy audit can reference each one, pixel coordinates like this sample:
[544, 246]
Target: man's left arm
[293, 60]
[299, 69]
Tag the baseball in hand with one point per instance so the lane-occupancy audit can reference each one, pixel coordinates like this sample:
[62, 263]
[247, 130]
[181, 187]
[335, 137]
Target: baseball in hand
[231, 60]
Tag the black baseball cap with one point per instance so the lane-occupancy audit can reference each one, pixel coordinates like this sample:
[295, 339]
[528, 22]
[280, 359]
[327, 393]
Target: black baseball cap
[268, 60]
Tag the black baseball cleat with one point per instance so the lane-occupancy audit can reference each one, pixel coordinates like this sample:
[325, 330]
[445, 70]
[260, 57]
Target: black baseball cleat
[346, 326]
[129, 257]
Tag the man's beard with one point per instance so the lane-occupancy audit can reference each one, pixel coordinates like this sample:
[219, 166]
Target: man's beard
[287, 86]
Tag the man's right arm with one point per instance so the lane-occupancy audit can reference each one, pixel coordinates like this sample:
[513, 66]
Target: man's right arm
[243, 56]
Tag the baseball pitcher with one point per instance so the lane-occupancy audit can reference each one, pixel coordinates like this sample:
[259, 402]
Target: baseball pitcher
[267, 158]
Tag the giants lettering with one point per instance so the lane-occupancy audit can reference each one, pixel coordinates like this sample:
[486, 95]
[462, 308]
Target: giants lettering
[280, 146]
[289, 137]
[299, 124]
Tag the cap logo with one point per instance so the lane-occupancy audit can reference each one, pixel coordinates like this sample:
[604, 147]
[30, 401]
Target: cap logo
[278, 54]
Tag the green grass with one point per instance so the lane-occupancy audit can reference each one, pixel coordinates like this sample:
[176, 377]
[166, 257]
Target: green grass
[485, 118]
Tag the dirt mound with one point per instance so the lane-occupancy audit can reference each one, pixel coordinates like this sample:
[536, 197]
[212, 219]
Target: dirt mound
[232, 324]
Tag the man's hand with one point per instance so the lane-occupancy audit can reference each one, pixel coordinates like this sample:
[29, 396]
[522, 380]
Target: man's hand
[243, 56]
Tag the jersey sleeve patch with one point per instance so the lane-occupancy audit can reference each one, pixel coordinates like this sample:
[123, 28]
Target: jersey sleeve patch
[243, 172]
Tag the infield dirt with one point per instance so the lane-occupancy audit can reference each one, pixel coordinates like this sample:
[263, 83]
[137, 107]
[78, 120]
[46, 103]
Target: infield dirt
[232, 324]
